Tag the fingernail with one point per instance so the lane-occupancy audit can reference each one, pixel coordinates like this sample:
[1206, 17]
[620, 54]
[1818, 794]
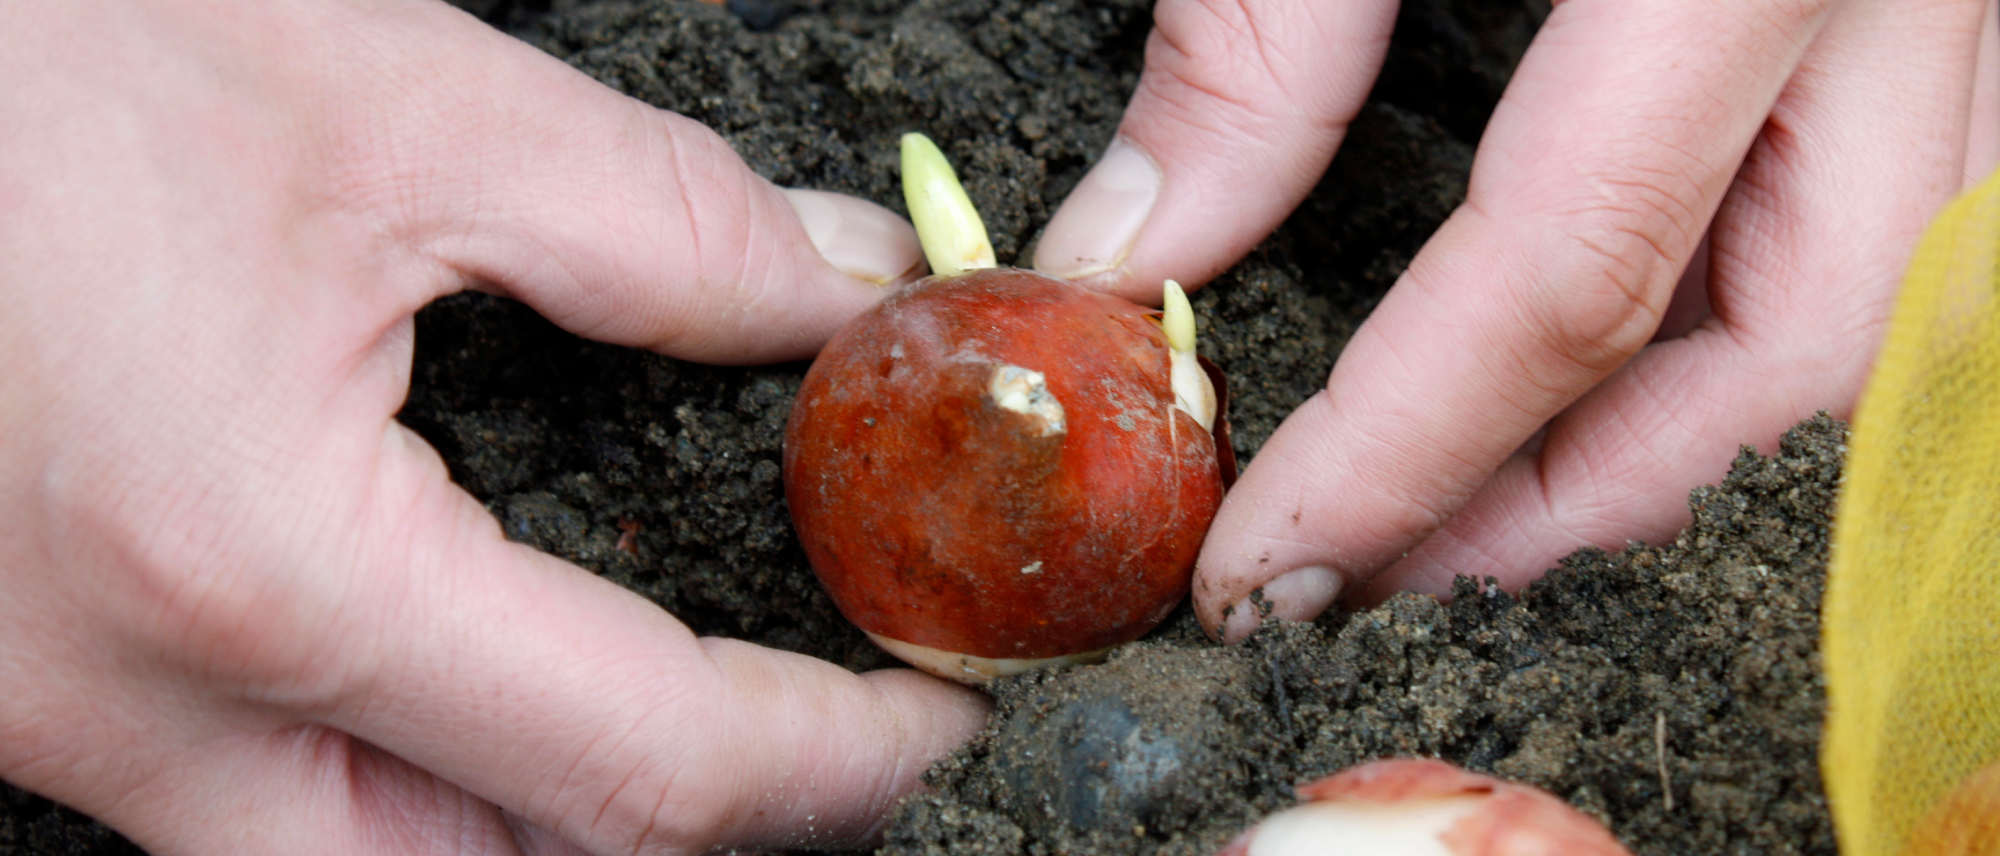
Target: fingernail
[1094, 229]
[859, 238]
[1299, 595]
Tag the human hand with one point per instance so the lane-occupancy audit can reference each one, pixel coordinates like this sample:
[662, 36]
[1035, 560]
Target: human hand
[1684, 229]
[245, 610]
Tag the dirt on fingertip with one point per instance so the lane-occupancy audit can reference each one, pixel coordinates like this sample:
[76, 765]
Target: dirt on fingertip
[1671, 690]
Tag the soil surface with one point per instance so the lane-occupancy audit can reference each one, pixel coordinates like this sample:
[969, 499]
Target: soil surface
[1672, 690]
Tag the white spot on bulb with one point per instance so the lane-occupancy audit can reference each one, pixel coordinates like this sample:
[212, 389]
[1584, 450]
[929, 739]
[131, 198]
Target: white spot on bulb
[1026, 391]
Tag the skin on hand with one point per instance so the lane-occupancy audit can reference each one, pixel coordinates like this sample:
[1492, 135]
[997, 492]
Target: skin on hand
[1684, 229]
[246, 611]
[1240, 104]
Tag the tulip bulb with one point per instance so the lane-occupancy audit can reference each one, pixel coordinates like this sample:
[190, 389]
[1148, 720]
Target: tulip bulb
[993, 470]
[1408, 807]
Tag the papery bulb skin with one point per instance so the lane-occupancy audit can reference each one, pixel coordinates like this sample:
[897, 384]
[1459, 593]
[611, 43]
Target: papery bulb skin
[1424, 807]
[989, 471]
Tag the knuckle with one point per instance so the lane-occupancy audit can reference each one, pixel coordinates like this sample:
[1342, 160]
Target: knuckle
[188, 577]
[1616, 267]
[218, 611]
[1786, 16]
[1202, 32]
[1210, 53]
[656, 813]
[710, 217]
[1603, 310]
[656, 802]
[173, 554]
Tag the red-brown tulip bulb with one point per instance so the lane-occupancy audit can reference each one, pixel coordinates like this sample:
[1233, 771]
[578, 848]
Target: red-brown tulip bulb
[992, 470]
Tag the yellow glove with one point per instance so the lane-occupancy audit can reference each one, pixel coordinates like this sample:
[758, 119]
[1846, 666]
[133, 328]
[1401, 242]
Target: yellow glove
[1911, 755]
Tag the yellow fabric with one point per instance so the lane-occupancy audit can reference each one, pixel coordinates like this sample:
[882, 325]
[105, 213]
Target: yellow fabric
[1912, 612]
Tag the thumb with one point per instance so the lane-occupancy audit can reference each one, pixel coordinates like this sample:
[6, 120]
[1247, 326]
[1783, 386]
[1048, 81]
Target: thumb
[582, 708]
[1237, 113]
[511, 171]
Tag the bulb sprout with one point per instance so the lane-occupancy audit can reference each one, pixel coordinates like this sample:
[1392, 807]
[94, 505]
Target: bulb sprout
[948, 227]
[1177, 318]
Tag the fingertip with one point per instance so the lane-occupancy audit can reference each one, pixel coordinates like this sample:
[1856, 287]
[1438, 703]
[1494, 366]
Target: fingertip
[948, 713]
[932, 718]
[1300, 594]
[775, 278]
[1091, 235]
[1236, 115]
[1271, 523]
[861, 239]
[935, 717]
[826, 752]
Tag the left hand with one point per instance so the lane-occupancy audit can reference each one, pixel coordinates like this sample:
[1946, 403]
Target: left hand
[245, 610]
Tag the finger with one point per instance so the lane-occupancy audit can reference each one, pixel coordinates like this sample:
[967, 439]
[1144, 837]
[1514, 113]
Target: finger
[580, 707]
[1860, 151]
[616, 220]
[1599, 171]
[1237, 113]
[1982, 150]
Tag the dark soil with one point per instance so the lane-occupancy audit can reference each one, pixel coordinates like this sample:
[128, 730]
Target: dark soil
[1673, 691]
